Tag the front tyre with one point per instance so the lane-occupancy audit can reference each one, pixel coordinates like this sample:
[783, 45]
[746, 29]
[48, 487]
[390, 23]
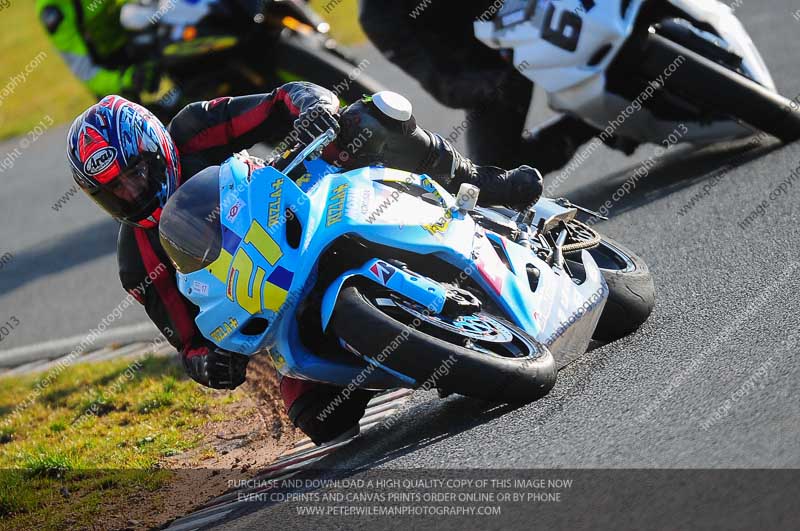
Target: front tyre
[717, 88]
[476, 354]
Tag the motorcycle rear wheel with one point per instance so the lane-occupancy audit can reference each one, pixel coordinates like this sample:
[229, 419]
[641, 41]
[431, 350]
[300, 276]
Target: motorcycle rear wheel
[475, 355]
[631, 291]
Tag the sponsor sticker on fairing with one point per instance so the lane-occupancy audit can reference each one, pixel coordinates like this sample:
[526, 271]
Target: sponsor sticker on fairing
[200, 287]
[382, 271]
[233, 212]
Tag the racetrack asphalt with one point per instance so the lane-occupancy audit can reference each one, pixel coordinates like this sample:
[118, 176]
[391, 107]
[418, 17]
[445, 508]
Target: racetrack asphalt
[723, 338]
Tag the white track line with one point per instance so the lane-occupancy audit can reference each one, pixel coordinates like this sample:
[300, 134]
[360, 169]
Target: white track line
[58, 347]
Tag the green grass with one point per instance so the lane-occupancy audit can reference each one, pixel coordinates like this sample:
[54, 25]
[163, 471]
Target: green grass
[51, 90]
[343, 20]
[60, 465]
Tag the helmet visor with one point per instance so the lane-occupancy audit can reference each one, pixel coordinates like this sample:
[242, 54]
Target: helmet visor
[135, 193]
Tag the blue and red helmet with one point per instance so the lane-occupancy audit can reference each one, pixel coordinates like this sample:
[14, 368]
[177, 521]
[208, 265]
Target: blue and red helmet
[124, 159]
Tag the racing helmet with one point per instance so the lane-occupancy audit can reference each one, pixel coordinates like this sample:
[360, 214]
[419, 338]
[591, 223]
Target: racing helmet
[123, 157]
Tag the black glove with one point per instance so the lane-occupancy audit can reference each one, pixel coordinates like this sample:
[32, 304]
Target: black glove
[313, 122]
[213, 367]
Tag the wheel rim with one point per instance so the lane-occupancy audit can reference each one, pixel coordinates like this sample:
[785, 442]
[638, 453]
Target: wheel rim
[478, 327]
[479, 332]
[606, 255]
[610, 258]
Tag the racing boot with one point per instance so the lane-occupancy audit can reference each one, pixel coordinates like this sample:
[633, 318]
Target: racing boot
[325, 413]
[518, 188]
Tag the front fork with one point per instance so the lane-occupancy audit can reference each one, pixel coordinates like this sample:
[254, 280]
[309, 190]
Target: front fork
[422, 290]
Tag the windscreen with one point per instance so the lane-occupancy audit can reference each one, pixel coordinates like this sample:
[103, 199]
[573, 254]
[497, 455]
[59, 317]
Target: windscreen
[190, 228]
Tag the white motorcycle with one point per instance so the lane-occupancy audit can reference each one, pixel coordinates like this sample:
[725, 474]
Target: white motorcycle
[645, 69]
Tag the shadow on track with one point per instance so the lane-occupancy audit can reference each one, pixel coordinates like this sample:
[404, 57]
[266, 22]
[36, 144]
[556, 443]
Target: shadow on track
[65, 252]
[426, 423]
[679, 169]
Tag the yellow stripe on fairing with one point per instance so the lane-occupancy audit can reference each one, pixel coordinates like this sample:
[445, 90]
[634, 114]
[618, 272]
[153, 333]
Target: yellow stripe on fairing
[273, 297]
[219, 267]
[264, 243]
[247, 295]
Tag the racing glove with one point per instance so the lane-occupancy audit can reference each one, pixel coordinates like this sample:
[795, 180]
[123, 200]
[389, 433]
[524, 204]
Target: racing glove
[213, 367]
[313, 122]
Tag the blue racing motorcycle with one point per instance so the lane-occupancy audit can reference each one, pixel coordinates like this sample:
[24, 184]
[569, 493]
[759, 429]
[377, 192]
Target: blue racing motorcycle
[380, 278]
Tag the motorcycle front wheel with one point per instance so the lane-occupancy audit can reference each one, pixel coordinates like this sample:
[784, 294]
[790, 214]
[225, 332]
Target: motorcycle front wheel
[476, 354]
[719, 89]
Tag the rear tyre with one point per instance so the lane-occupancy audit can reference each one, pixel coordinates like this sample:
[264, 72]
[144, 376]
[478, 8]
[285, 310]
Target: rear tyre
[299, 58]
[476, 355]
[717, 88]
[631, 292]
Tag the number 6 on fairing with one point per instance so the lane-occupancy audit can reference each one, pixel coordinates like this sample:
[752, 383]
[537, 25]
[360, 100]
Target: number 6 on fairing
[568, 31]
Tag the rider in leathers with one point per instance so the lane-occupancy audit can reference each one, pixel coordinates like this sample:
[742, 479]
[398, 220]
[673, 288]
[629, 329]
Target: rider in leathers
[207, 133]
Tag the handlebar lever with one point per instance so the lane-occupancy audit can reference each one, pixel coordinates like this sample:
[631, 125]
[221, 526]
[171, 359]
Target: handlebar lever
[313, 150]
